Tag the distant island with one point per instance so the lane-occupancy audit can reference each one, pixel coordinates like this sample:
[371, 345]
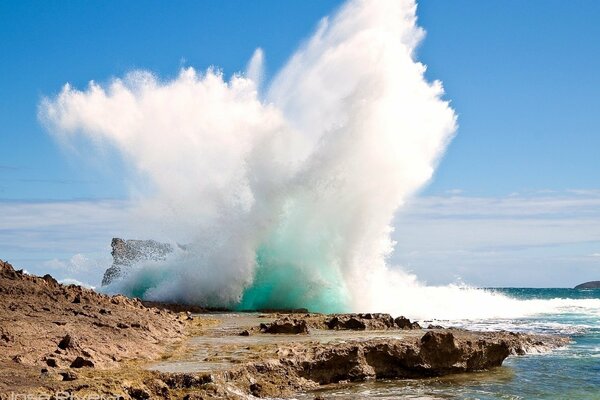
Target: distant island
[589, 285]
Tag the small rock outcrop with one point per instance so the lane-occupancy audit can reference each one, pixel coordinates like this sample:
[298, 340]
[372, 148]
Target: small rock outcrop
[434, 354]
[128, 252]
[589, 285]
[351, 322]
[360, 322]
[405, 323]
[285, 325]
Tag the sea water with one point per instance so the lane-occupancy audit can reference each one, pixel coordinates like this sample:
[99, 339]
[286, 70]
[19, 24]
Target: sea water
[572, 372]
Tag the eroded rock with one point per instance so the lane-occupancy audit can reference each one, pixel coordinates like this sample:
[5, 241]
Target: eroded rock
[286, 325]
[405, 323]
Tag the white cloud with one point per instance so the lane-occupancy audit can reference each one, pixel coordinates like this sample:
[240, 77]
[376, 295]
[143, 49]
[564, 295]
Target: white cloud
[78, 263]
[62, 237]
[538, 240]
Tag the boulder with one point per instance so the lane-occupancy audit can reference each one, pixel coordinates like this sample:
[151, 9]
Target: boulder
[435, 354]
[405, 323]
[66, 342]
[80, 362]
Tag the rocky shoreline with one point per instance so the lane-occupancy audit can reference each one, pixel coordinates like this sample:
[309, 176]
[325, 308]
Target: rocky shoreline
[67, 339]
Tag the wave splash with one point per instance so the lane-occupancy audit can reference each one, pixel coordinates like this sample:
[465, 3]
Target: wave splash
[284, 197]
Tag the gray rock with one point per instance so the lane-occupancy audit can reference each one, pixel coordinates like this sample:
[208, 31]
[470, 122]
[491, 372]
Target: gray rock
[126, 253]
[286, 325]
[589, 285]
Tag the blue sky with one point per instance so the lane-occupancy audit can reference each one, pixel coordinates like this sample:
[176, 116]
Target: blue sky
[522, 76]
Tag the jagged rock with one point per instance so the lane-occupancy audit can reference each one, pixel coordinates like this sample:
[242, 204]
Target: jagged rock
[68, 375]
[404, 323]
[51, 362]
[81, 362]
[436, 353]
[48, 278]
[49, 325]
[186, 380]
[370, 321]
[138, 394]
[346, 322]
[5, 335]
[285, 325]
[66, 342]
[128, 252]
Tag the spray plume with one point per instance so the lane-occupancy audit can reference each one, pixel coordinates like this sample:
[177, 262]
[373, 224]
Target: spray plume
[283, 197]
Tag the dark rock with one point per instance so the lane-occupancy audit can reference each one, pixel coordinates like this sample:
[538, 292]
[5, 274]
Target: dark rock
[49, 279]
[285, 325]
[369, 321]
[6, 336]
[256, 389]
[282, 310]
[138, 394]
[81, 362]
[404, 323]
[51, 362]
[431, 326]
[245, 332]
[589, 285]
[68, 375]
[344, 322]
[66, 342]
[187, 380]
[128, 252]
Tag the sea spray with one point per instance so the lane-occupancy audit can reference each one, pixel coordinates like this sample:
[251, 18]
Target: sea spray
[283, 197]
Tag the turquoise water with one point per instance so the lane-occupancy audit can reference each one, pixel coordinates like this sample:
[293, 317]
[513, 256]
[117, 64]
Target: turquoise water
[569, 373]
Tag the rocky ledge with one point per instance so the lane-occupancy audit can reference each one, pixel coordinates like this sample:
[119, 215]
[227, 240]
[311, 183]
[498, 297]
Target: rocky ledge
[56, 338]
[54, 331]
[295, 324]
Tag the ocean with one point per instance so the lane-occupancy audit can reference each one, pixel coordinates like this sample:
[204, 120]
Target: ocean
[572, 372]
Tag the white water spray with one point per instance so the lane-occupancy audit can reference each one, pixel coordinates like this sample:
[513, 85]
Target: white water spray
[285, 198]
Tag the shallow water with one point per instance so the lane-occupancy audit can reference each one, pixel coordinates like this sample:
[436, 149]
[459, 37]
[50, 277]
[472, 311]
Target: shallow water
[572, 372]
[221, 346]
